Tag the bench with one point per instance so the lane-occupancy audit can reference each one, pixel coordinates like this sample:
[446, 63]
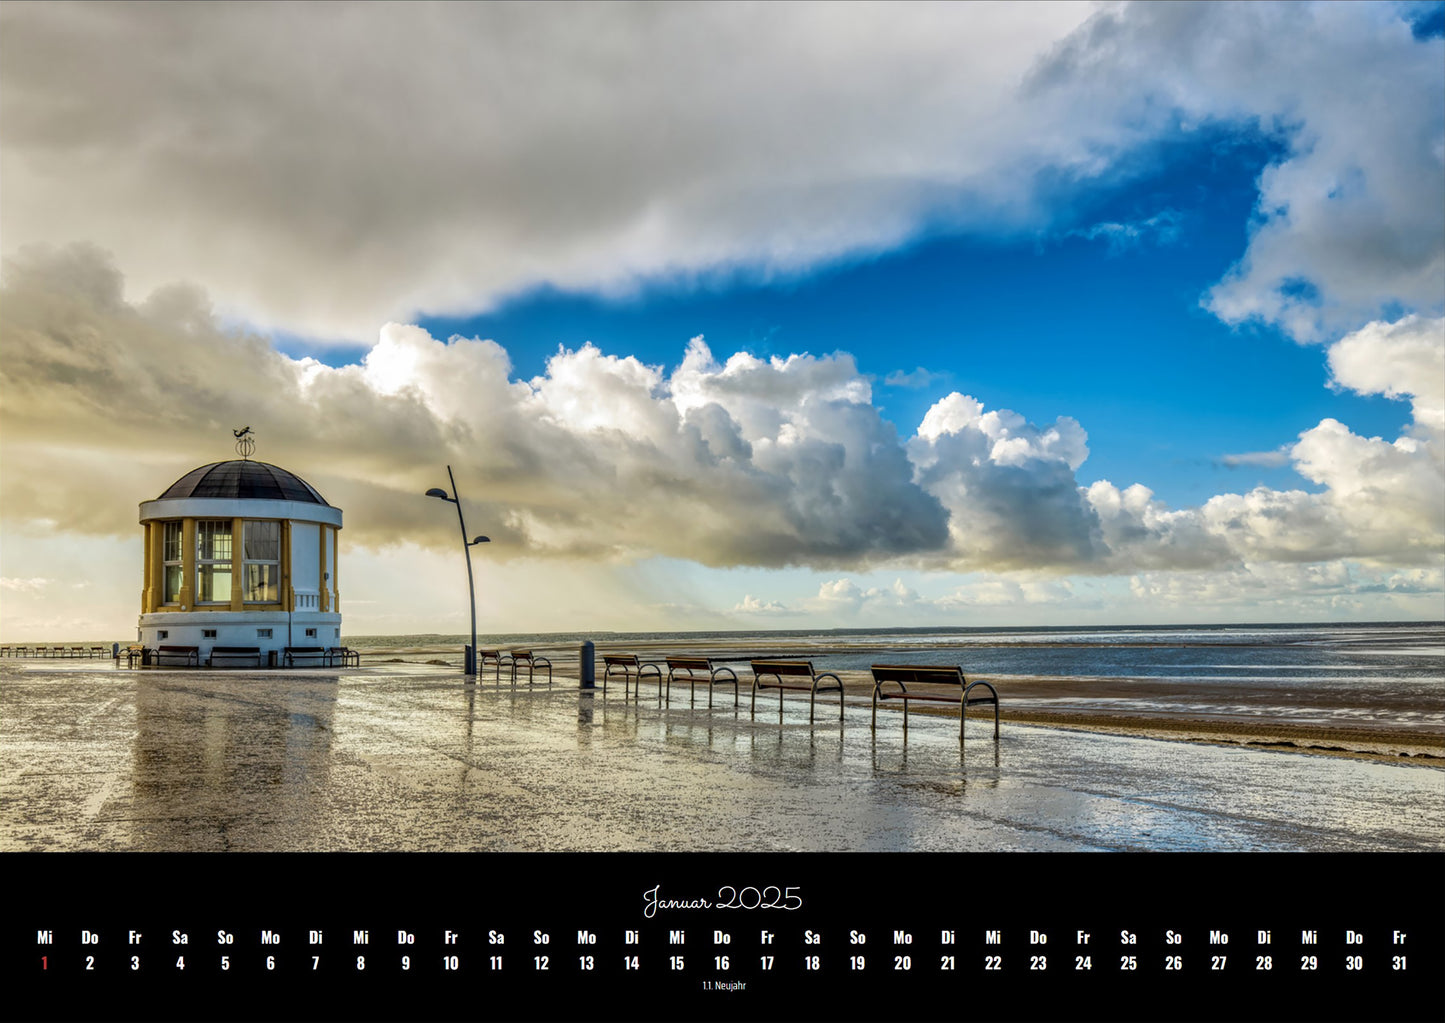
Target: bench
[630, 666]
[495, 656]
[190, 654]
[532, 661]
[715, 677]
[234, 653]
[903, 675]
[133, 653]
[343, 656]
[814, 685]
[318, 653]
[97, 651]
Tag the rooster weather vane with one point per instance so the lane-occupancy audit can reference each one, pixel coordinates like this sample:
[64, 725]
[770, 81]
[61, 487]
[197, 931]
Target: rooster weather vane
[245, 441]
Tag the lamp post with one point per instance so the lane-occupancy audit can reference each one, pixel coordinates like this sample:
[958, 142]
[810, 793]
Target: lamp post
[469, 660]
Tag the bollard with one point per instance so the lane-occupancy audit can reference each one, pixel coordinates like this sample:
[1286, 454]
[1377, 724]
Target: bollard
[469, 662]
[586, 666]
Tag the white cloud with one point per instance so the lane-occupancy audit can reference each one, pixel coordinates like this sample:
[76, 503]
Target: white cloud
[746, 461]
[751, 605]
[1405, 359]
[915, 380]
[1263, 459]
[1349, 221]
[367, 163]
[1009, 486]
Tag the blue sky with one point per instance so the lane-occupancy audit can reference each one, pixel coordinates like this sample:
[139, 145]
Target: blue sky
[1012, 314]
[1115, 334]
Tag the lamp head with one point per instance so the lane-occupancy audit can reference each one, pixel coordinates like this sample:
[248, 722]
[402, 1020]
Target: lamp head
[434, 492]
[480, 539]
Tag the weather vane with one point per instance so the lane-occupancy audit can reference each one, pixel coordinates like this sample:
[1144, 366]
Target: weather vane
[245, 441]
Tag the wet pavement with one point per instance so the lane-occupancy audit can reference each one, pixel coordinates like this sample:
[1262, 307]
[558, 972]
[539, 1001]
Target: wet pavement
[408, 758]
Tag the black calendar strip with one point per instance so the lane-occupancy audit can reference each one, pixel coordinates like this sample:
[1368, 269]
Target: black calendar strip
[1038, 936]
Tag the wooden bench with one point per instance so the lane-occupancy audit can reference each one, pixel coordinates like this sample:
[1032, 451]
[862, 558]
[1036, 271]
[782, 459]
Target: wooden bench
[781, 670]
[190, 654]
[495, 656]
[629, 666]
[532, 661]
[903, 675]
[231, 653]
[133, 653]
[343, 657]
[715, 677]
[317, 653]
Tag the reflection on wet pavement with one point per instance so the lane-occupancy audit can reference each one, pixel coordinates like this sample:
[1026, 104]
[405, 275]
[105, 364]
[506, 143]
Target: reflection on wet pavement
[402, 758]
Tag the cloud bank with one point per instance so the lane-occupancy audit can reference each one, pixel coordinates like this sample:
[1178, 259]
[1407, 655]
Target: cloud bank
[328, 167]
[741, 462]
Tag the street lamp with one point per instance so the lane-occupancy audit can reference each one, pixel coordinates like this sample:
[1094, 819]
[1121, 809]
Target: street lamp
[469, 660]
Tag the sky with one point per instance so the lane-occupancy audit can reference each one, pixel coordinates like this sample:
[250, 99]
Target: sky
[737, 316]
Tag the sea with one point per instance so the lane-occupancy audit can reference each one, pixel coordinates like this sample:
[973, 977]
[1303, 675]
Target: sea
[1349, 667]
[1343, 670]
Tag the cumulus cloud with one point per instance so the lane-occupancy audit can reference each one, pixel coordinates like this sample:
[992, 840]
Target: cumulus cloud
[1009, 486]
[743, 461]
[1379, 500]
[328, 167]
[1405, 359]
[751, 605]
[748, 462]
[435, 157]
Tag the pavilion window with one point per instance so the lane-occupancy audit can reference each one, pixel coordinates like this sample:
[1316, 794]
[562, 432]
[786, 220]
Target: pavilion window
[213, 561]
[261, 550]
[171, 561]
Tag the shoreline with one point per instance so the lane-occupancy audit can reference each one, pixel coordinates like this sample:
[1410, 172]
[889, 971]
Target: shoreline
[1207, 713]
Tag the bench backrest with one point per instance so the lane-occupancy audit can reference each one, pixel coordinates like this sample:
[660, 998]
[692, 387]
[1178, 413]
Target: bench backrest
[289, 649]
[521, 655]
[494, 654]
[246, 649]
[179, 649]
[917, 673]
[781, 668]
[702, 663]
[620, 660]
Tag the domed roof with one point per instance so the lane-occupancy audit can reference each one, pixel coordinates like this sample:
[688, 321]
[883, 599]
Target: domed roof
[245, 480]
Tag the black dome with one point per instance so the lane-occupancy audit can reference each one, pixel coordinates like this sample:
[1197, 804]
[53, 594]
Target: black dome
[243, 479]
